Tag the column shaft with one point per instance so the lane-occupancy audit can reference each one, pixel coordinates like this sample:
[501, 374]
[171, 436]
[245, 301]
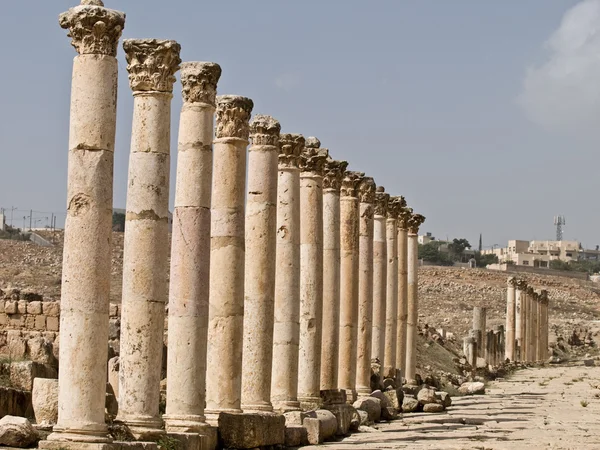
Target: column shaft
[190, 251]
[379, 278]
[227, 256]
[519, 303]
[391, 303]
[479, 324]
[510, 319]
[88, 228]
[413, 296]
[402, 297]
[261, 228]
[286, 332]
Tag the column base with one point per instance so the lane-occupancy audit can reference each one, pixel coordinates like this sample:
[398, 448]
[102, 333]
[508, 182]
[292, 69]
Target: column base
[351, 395]
[258, 407]
[310, 403]
[287, 406]
[212, 415]
[96, 434]
[363, 391]
[143, 428]
[185, 423]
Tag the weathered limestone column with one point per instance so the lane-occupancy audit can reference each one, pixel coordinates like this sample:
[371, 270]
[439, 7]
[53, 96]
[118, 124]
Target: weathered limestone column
[227, 256]
[312, 164]
[365, 286]
[529, 323]
[152, 65]
[535, 332]
[261, 230]
[349, 218]
[473, 349]
[332, 182]
[479, 325]
[510, 318]
[413, 296]
[87, 248]
[500, 344]
[379, 276]
[190, 250]
[519, 304]
[286, 331]
[391, 303]
[403, 218]
[544, 326]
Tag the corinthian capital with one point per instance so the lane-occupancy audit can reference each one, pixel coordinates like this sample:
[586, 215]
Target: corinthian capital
[264, 130]
[290, 147]
[367, 190]
[415, 222]
[404, 216]
[512, 282]
[334, 174]
[151, 64]
[313, 158]
[529, 290]
[93, 29]
[350, 183]
[521, 285]
[199, 82]
[394, 207]
[382, 200]
[233, 116]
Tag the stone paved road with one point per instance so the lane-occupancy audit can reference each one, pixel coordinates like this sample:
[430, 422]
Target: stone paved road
[534, 409]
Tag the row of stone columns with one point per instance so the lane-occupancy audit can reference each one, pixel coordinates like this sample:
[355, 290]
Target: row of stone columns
[280, 287]
[527, 323]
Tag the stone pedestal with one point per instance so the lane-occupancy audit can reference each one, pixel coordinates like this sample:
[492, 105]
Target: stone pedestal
[332, 181]
[349, 216]
[312, 163]
[227, 257]
[379, 276]
[152, 65]
[259, 304]
[365, 286]
[190, 251]
[403, 218]
[286, 334]
[87, 247]
[390, 365]
[510, 319]
[413, 296]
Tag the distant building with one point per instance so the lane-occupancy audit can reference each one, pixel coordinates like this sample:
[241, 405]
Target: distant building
[425, 238]
[540, 253]
[2, 222]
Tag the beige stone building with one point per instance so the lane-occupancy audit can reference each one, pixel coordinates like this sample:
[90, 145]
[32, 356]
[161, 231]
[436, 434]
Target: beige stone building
[539, 253]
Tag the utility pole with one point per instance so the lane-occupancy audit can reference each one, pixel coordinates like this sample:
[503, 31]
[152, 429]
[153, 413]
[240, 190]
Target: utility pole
[30, 218]
[12, 208]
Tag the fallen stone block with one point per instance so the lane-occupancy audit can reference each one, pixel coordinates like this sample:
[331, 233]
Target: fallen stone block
[426, 396]
[409, 404]
[444, 398]
[343, 413]
[472, 388]
[328, 424]
[44, 397]
[371, 405]
[313, 430]
[295, 436]
[189, 441]
[363, 417]
[23, 373]
[17, 432]
[395, 397]
[248, 431]
[433, 408]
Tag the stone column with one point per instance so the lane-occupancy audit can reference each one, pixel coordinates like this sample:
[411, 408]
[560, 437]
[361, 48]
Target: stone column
[152, 65]
[544, 326]
[332, 182]
[535, 332]
[530, 324]
[413, 296]
[87, 248]
[379, 276]
[479, 325]
[312, 164]
[510, 318]
[519, 313]
[404, 216]
[227, 256]
[349, 217]
[190, 250]
[500, 344]
[391, 303]
[261, 230]
[286, 331]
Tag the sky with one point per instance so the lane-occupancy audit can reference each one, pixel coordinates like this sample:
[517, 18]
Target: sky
[484, 115]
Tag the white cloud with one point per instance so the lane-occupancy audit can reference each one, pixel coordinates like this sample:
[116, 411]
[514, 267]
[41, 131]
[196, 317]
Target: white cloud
[563, 93]
[287, 81]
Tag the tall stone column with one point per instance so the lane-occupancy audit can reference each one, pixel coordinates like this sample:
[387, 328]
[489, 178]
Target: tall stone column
[365, 286]
[403, 218]
[95, 31]
[413, 296]
[530, 324]
[286, 331]
[479, 325]
[510, 318]
[534, 326]
[261, 229]
[391, 303]
[227, 256]
[312, 164]
[152, 65]
[519, 313]
[349, 217]
[544, 326]
[190, 250]
[379, 276]
[332, 182]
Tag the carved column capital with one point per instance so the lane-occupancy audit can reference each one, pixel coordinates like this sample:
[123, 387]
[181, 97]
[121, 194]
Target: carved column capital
[313, 158]
[404, 216]
[415, 222]
[199, 82]
[233, 116]
[512, 282]
[366, 190]
[333, 174]
[152, 64]
[94, 30]
[264, 130]
[290, 147]
[394, 207]
[350, 183]
[529, 290]
[382, 200]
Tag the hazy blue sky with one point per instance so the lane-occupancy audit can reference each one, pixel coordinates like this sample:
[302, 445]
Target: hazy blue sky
[485, 115]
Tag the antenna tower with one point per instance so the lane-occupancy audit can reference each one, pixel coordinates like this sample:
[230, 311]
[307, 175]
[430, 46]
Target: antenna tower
[559, 221]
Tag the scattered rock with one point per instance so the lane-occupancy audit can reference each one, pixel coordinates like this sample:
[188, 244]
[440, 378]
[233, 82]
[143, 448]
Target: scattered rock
[426, 396]
[45, 401]
[472, 388]
[17, 432]
[409, 404]
[371, 405]
[433, 408]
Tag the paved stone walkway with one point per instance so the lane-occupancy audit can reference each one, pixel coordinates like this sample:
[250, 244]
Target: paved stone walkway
[534, 409]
